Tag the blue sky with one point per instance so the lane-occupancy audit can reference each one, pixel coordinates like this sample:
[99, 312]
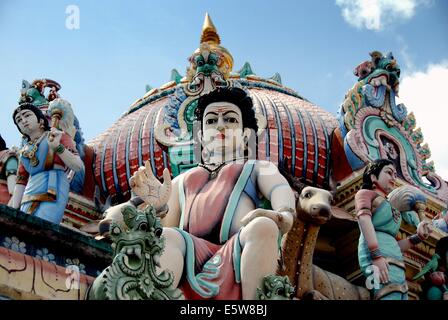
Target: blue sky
[122, 46]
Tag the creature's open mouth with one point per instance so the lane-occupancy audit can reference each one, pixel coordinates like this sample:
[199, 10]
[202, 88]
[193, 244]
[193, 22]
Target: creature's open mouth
[132, 254]
[390, 81]
[381, 79]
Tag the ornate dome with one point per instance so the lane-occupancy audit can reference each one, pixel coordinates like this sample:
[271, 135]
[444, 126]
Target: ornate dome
[297, 130]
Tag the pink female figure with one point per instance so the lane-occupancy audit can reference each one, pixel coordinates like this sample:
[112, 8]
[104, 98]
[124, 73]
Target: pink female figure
[379, 222]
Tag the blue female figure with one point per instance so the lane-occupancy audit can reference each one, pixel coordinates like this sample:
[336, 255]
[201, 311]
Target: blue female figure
[42, 186]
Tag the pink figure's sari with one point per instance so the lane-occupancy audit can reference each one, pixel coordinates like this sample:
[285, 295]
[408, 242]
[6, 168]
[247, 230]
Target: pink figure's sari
[212, 258]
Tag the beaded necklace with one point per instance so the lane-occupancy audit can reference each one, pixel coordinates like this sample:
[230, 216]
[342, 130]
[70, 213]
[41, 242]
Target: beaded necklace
[214, 168]
[30, 153]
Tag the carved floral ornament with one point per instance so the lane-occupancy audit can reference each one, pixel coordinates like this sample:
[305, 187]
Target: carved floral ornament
[374, 126]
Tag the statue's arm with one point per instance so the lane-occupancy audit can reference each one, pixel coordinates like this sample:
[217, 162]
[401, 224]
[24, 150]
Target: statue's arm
[363, 207]
[19, 188]
[69, 155]
[172, 218]
[274, 187]
[11, 173]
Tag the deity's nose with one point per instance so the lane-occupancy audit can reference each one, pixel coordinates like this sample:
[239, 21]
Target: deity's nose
[220, 124]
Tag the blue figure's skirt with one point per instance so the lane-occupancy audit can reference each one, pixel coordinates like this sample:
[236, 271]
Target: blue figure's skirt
[46, 195]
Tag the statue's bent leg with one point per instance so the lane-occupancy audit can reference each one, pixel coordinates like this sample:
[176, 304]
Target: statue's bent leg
[174, 253]
[259, 242]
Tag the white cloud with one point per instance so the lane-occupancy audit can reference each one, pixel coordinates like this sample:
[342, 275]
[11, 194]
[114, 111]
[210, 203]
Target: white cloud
[376, 14]
[424, 93]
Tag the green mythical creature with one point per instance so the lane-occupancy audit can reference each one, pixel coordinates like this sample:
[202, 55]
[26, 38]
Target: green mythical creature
[137, 250]
[431, 266]
[275, 288]
[210, 64]
[375, 77]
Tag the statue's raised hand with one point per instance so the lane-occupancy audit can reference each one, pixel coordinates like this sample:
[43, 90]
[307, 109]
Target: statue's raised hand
[54, 138]
[149, 188]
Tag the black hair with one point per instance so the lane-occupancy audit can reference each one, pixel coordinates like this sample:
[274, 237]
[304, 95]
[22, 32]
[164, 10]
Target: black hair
[237, 96]
[39, 114]
[374, 168]
[2, 144]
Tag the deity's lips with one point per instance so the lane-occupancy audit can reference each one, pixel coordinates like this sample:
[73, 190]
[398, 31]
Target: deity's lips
[220, 135]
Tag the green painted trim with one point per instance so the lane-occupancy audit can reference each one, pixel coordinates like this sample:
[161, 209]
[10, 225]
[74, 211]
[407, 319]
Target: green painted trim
[233, 200]
[195, 282]
[374, 123]
[237, 258]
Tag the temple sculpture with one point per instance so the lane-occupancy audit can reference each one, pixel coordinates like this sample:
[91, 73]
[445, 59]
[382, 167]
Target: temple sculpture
[179, 196]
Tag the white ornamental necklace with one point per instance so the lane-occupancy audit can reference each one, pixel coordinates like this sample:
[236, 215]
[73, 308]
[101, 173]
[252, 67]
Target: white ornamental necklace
[214, 168]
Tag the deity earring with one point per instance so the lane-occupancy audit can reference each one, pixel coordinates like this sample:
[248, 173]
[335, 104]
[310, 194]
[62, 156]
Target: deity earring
[246, 142]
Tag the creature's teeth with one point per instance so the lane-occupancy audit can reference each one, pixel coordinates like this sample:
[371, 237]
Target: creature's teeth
[130, 251]
[123, 250]
[138, 252]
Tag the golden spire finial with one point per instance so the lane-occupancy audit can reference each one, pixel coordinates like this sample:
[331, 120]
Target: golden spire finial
[209, 33]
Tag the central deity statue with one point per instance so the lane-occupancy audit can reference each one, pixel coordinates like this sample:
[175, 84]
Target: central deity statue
[219, 243]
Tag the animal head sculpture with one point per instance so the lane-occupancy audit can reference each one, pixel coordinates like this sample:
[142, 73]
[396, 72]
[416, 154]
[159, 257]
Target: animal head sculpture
[314, 205]
[137, 242]
[210, 64]
[275, 288]
[138, 245]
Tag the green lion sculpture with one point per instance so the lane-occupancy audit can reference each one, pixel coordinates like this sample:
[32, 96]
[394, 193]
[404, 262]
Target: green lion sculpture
[137, 249]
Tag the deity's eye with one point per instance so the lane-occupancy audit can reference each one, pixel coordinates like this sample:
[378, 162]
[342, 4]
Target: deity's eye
[231, 120]
[211, 121]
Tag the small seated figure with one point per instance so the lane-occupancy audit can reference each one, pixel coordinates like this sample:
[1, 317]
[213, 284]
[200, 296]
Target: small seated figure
[8, 172]
[379, 223]
[219, 243]
[42, 186]
[442, 221]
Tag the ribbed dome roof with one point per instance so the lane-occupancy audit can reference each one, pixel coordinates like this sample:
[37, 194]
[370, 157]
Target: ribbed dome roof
[297, 130]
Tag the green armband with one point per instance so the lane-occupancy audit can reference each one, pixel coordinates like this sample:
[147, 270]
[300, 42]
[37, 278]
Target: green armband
[60, 149]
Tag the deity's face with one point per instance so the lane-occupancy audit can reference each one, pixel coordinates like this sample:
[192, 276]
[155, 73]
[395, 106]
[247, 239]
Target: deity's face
[27, 121]
[222, 127]
[386, 179]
